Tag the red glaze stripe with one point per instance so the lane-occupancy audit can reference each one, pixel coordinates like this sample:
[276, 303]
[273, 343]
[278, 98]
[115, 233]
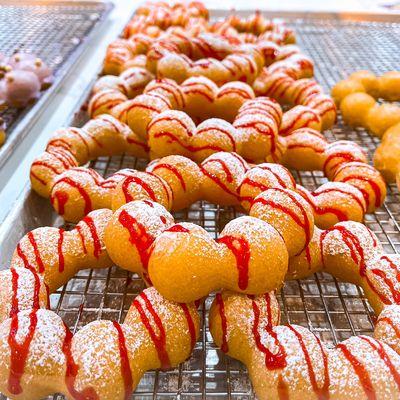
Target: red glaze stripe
[36, 251]
[321, 392]
[62, 196]
[240, 248]
[275, 360]
[160, 340]
[61, 263]
[19, 351]
[174, 170]
[378, 347]
[191, 326]
[224, 323]
[140, 182]
[72, 370]
[125, 365]
[139, 237]
[93, 232]
[360, 371]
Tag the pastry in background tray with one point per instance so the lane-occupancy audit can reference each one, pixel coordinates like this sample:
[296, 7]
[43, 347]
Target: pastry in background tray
[22, 77]
[357, 97]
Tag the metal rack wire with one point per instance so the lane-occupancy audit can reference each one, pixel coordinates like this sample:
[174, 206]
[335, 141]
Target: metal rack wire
[52, 31]
[331, 309]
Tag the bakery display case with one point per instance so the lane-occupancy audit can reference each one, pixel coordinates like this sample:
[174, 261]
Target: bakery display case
[338, 44]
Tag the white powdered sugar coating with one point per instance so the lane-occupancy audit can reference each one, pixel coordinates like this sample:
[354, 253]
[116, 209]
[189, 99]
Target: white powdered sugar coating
[253, 229]
[234, 163]
[333, 243]
[307, 137]
[46, 241]
[100, 219]
[218, 131]
[364, 350]
[339, 193]
[148, 214]
[45, 349]
[296, 374]
[177, 122]
[174, 321]
[383, 276]
[26, 285]
[95, 350]
[388, 326]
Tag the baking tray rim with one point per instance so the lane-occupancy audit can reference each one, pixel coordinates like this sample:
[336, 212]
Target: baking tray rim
[21, 130]
[359, 16]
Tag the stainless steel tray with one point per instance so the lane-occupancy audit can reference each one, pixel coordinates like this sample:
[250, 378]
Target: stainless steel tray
[331, 309]
[57, 32]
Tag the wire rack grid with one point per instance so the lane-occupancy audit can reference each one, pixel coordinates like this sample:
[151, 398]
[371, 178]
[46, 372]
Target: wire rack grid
[331, 309]
[48, 30]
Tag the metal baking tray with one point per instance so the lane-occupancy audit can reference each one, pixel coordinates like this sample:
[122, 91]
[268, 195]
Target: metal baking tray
[57, 32]
[339, 45]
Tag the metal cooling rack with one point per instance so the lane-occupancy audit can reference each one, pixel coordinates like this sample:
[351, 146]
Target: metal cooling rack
[51, 30]
[331, 309]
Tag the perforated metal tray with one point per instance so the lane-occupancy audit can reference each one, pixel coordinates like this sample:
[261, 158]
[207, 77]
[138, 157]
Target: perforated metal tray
[55, 31]
[331, 309]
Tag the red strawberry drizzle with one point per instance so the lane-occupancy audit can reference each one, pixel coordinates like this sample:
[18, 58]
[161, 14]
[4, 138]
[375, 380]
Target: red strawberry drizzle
[390, 322]
[342, 158]
[321, 392]
[305, 224]
[277, 176]
[140, 182]
[58, 142]
[214, 130]
[352, 243]
[240, 248]
[387, 281]
[174, 170]
[360, 371]
[159, 340]
[273, 361]
[34, 175]
[40, 163]
[177, 228]
[62, 197]
[79, 230]
[170, 119]
[305, 146]
[232, 90]
[24, 259]
[15, 301]
[144, 146]
[125, 365]
[93, 232]
[78, 133]
[384, 356]
[61, 263]
[224, 323]
[191, 326]
[223, 165]
[139, 237]
[167, 189]
[199, 92]
[72, 370]
[193, 149]
[374, 186]
[36, 252]
[261, 128]
[308, 116]
[19, 351]
[338, 190]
